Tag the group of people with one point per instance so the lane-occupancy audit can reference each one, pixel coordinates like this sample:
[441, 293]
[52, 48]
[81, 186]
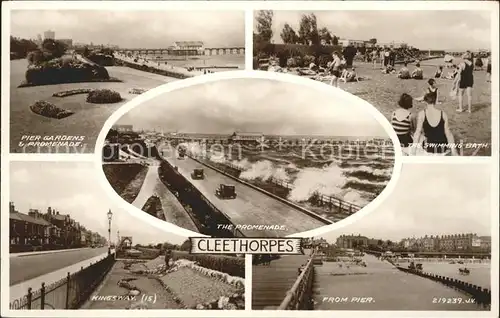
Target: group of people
[385, 57]
[341, 71]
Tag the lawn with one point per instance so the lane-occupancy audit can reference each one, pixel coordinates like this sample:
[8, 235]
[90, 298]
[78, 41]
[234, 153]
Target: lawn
[126, 179]
[88, 118]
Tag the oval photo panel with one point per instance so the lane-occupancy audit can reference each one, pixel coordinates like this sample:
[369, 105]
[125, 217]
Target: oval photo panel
[260, 155]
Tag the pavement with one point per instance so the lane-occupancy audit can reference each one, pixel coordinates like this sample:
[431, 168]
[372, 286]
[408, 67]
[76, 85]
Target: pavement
[173, 210]
[45, 252]
[32, 271]
[251, 207]
[271, 282]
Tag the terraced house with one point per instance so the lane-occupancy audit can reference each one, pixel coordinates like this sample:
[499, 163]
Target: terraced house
[47, 231]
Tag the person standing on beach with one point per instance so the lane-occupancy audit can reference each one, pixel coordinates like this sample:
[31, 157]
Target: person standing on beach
[375, 54]
[465, 82]
[433, 125]
[335, 69]
[168, 257]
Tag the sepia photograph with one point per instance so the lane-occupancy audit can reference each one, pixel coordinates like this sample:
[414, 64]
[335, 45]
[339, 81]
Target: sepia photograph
[68, 75]
[432, 80]
[426, 248]
[65, 253]
[253, 161]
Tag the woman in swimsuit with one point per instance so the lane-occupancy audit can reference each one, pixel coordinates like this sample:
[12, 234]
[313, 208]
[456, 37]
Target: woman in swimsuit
[335, 69]
[466, 81]
[433, 124]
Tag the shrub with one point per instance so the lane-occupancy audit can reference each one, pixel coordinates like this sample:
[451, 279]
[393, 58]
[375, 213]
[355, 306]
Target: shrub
[103, 96]
[72, 92]
[50, 110]
[323, 60]
[234, 266]
[62, 70]
[291, 62]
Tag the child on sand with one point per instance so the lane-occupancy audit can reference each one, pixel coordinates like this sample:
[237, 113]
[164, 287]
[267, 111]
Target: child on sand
[349, 76]
[404, 72]
[439, 72]
[417, 73]
[431, 89]
[389, 69]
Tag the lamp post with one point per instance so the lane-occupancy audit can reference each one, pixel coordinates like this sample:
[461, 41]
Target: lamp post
[110, 215]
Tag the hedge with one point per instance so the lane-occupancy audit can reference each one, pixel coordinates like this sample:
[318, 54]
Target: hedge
[103, 96]
[234, 266]
[50, 110]
[303, 54]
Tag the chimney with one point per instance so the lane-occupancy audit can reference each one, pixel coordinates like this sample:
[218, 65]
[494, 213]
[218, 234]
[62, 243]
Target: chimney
[49, 210]
[12, 207]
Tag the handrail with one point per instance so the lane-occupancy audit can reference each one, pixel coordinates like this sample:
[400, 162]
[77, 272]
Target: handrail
[291, 293]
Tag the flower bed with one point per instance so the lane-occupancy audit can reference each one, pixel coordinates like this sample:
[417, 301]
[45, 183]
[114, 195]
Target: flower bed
[103, 96]
[72, 92]
[137, 91]
[228, 264]
[49, 110]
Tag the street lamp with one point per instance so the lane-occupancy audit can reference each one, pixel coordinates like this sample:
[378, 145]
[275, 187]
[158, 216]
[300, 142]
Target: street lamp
[110, 215]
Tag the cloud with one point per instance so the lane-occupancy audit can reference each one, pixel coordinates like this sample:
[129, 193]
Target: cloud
[254, 105]
[133, 29]
[70, 188]
[431, 199]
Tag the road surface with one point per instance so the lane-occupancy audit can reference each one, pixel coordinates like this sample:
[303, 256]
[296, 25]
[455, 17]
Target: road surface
[172, 209]
[390, 288]
[271, 282]
[251, 207]
[26, 267]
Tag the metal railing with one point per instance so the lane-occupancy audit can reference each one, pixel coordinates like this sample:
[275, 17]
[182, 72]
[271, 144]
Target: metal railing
[69, 292]
[299, 297]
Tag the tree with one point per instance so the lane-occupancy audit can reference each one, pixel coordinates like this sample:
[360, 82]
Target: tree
[308, 31]
[186, 245]
[264, 25]
[288, 35]
[325, 36]
[335, 40]
[373, 41]
[53, 48]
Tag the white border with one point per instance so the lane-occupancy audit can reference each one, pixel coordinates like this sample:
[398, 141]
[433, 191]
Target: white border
[490, 6]
[341, 97]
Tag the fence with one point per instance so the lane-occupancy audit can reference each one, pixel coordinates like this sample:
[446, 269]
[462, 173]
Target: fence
[318, 199]
[482, 296]
[68, 293]
[299, 297]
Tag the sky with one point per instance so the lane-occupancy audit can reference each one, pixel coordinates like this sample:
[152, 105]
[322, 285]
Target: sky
[72, 188]
[440, 30]
[254, 105]
[133, 29]
[432, 199]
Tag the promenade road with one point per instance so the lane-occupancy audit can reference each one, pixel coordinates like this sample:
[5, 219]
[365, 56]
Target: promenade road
[48, 268]
[251, 207]
[23, 268]
[390, 288]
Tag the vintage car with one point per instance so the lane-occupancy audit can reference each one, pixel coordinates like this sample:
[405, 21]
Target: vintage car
[198, 174]
[226, 191]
